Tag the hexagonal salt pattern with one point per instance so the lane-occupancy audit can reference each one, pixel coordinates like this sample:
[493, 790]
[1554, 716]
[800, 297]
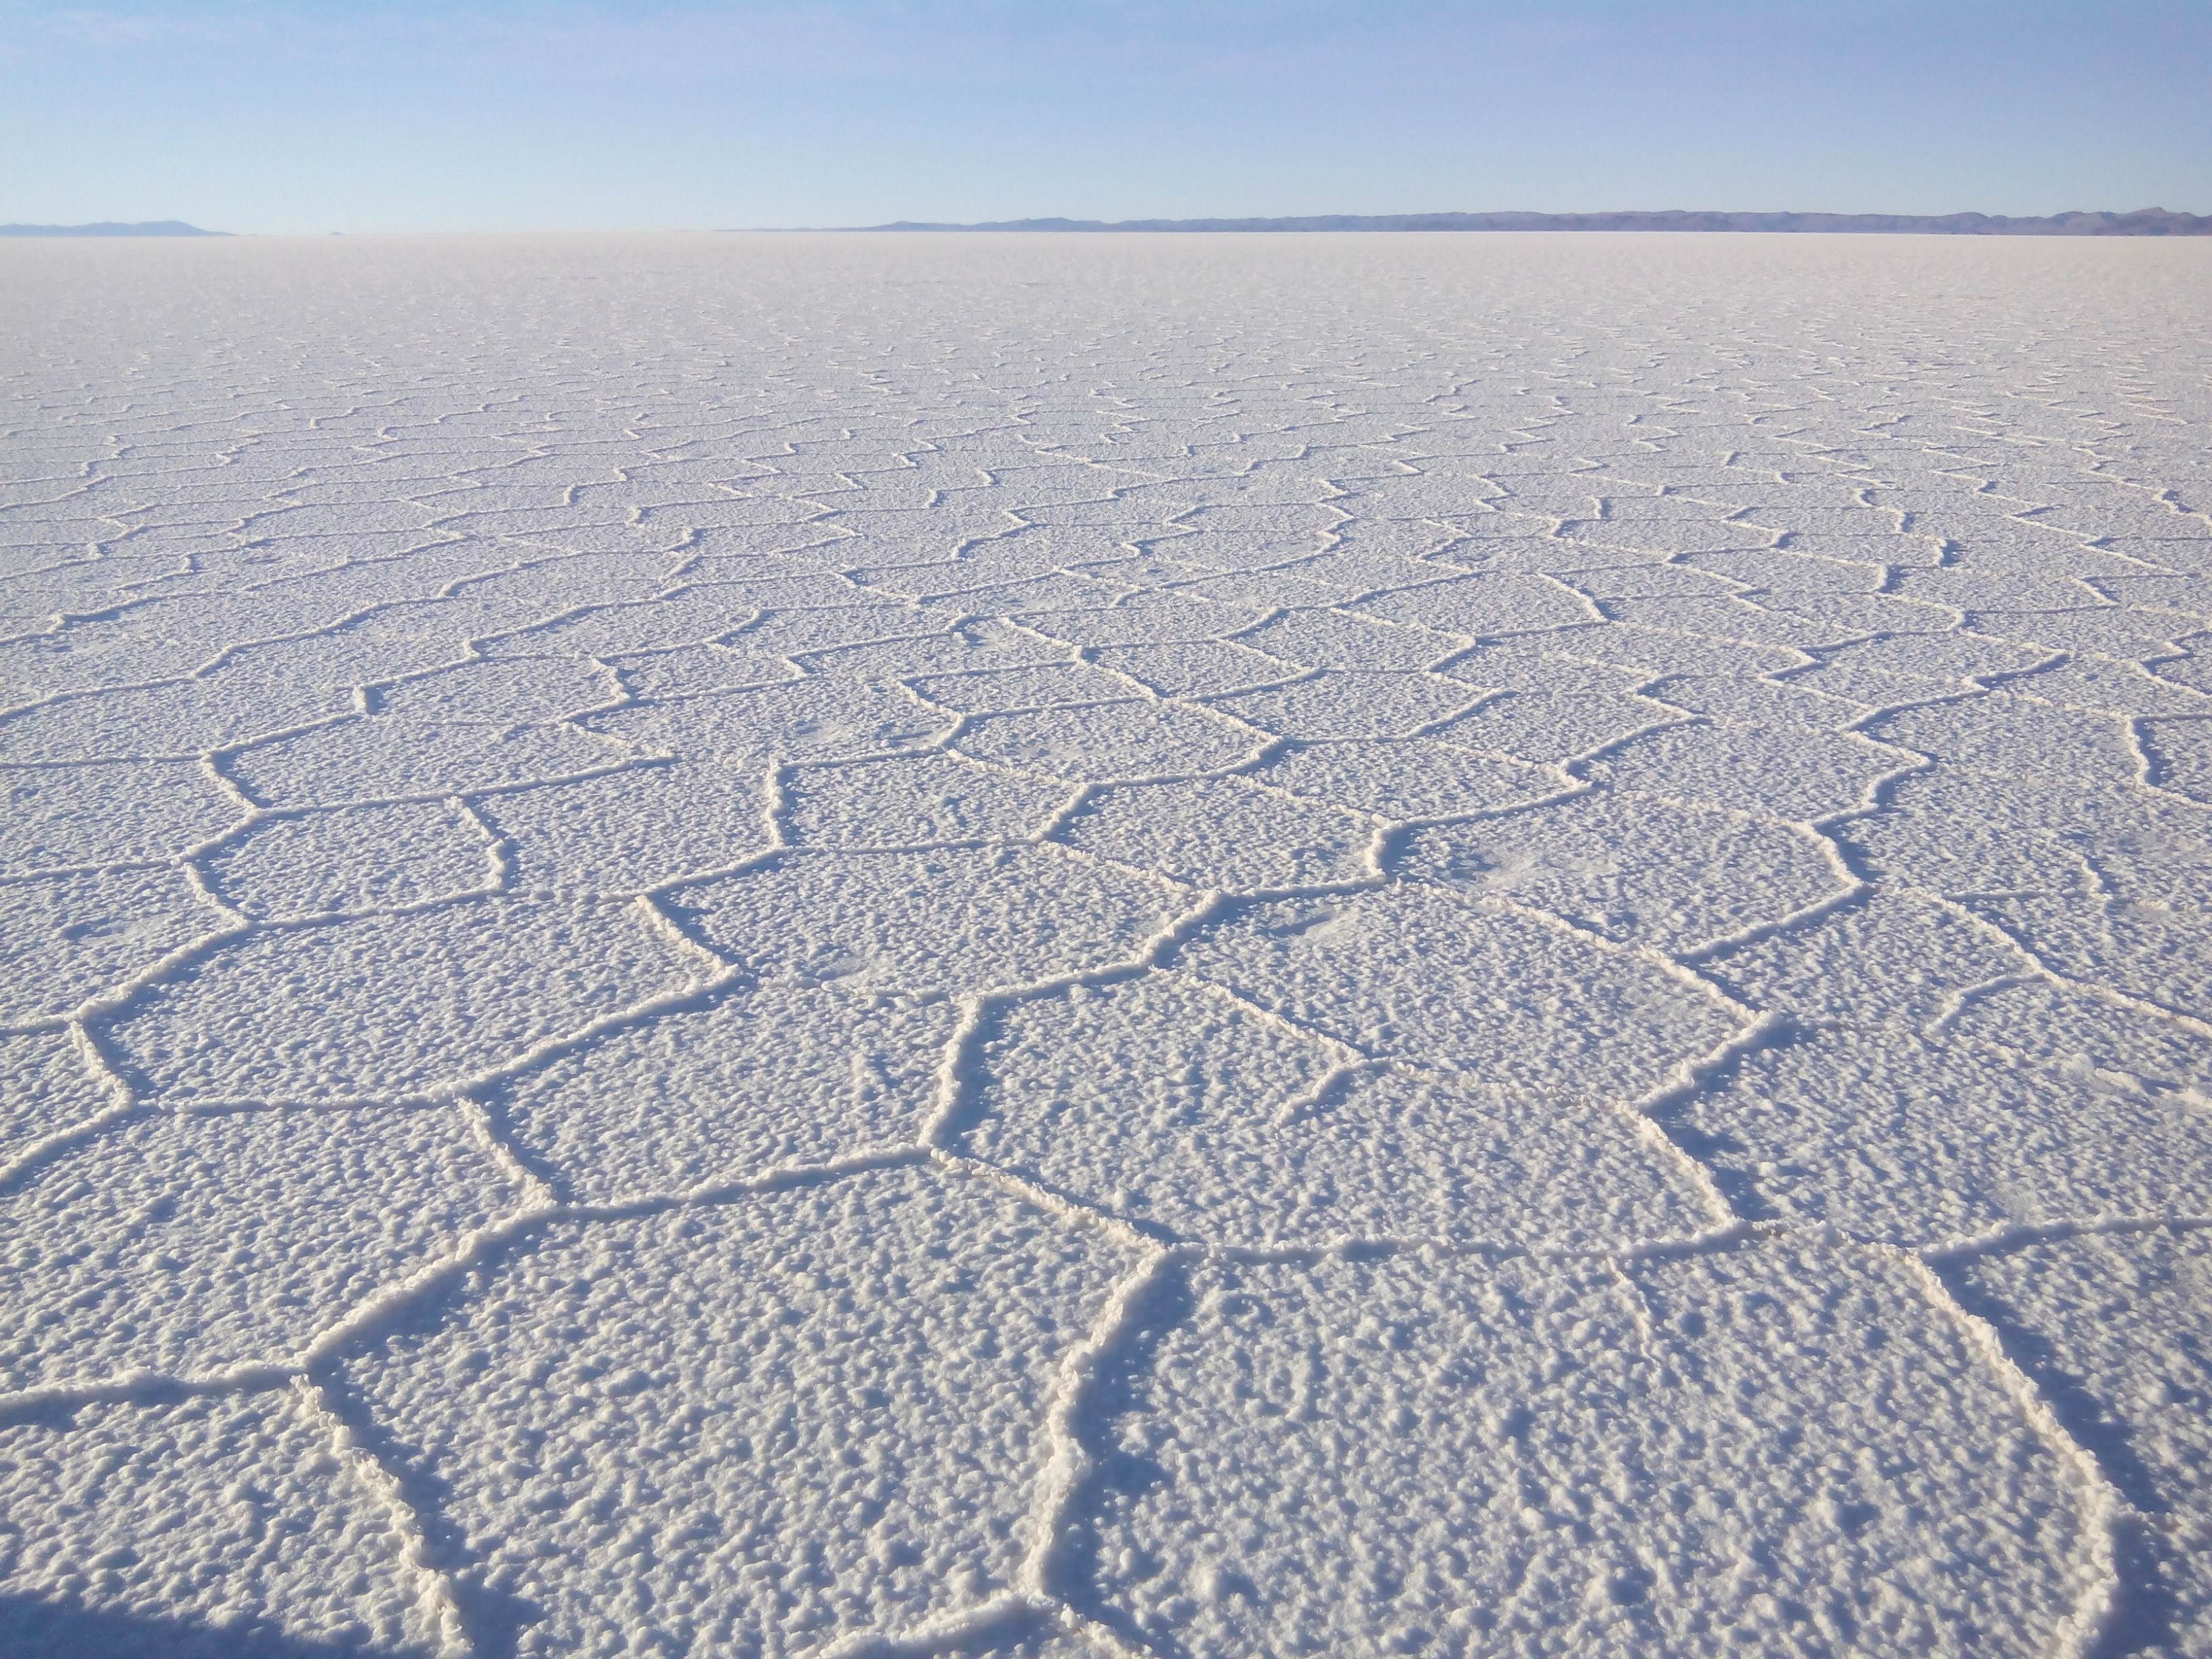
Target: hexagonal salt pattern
[1779, 1450]
[836, 1394]
[2111, 1328]
[761, 1078]
[186, 1245]
[953, 922]
[1421, 973]
[1137, 946]
[107, 812]
[1169, 1101]
[70, 938]
[204, 1529]
[355, 859]
[48, 1085]
[376, 1006]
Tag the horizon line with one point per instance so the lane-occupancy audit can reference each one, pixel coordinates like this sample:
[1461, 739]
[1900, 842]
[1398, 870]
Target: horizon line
[2149, 221]
[2076, 221]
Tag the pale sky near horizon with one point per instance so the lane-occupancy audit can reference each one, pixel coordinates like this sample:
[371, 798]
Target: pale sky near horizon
[360, 115]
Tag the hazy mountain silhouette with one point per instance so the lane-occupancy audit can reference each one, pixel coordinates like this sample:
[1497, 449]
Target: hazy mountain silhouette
[111, 228]
[2140, 221]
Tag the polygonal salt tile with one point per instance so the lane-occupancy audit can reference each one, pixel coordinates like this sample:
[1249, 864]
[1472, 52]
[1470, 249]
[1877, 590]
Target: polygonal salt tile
[2157, 949]
[2074, 1028]
[1747, 623]
[46, 1087]
[1195, 668]
[1333, 639]
[279, 523]
[1894, 959]
[776, 1076]
[354, 858]
[2193, 672]
[1003, 690]
[2146, 846]
[1772, 1450]
[1892, 1137]
[380, 758]
[2011, 737]
[2128, 633]
[2113, 1329]
[1655, 651]
[812, 719]
[750, 573]
[551, 584]
[1350, 703]
[794, 633]
[66, 577]
[1407, 778]
[86, 655]
[222, 1527]
[181, 719]
[1262, 589]
[1543, 728]
[507, 689]
[1632, 868]
[693, 670]
[1485, 605]
[1955, 659]
[2181, 751]
[1768, 704]
[691, 618]
[68, 938]
[1106, 742]
[838, 1395]
[1683, 529]
[1223, 833]
[628, 831]
[984, 584]
[1353, 571]
[1151, 618]
[954, 921]
[390, 1006]
[1774, 772]
[184, 1244]
[107, 812]
[2189, 594]
[972, 648]
[1526, 666]
[1411, 972]
[1029, 601]
[1168, 1103]
[2103, 686]
[1800, 573]
[401, 641]
[1954, 832]
[905, 802]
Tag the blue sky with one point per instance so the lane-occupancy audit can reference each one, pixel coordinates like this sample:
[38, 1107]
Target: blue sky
[461, 114]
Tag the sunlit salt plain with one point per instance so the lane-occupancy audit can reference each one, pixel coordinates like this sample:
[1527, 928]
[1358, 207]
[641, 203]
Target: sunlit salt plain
[1043, 946]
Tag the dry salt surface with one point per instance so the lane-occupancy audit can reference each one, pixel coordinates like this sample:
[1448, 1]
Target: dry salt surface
[1115, 945]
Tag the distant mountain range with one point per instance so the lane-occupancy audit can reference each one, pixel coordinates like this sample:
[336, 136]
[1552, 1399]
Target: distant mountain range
[110, 227]
[2142, 222]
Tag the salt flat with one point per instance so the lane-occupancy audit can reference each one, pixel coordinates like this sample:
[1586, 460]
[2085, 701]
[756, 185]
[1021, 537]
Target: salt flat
[1043, 946]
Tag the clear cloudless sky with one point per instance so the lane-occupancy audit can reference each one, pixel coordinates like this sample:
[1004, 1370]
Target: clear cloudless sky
[258, 115]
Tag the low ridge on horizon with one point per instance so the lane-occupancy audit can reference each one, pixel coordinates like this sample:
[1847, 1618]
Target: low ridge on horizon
[2138, 221]
[113, 228]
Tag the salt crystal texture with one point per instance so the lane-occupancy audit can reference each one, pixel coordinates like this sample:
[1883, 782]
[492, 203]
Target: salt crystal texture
[1040, 946]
